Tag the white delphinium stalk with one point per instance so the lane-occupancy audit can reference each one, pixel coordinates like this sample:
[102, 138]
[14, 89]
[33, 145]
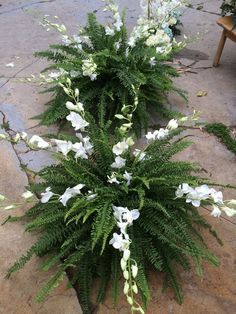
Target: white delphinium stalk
[125, 218]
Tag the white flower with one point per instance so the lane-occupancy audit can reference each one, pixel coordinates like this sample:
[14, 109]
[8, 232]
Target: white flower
[10, 65]
[120, 148]
[88, 145]
[194, 198]
[216, 212]
[77, 121]
[139, 154]
[161, 133]
[172, 125]
[27, 195]
[217, 196]
[203, 191]
[63, 146]
[183, 188]
[119, 242]
[109, 31]
[127, 176]
[119, 162]
[46, 195]
[54, 75]
[118, 24]
[124, 215]
[153, 62]
[80, 151]
[69, 193]
[131, 41]
[66, 40]
[112, 178]
[37, 142]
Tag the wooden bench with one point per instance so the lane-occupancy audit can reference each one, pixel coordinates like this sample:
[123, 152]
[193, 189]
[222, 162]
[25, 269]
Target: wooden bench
[229, 30]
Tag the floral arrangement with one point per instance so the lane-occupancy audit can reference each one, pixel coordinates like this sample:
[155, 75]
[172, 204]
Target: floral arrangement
[104, 62]
[108, 210]
[228, 7]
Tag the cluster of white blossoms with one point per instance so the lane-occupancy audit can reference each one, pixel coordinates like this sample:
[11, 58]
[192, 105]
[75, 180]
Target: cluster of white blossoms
[111, 6]
[154, 24]
[162, 133]
[198, 195]
[124, 218]
[89, 68]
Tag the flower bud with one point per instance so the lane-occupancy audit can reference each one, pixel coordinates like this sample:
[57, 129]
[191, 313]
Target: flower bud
[130, 141]
[66, 90]
[2, 137]
[76, 92]
[68, 81]
[27, 195]
[70, 105]
[135, 288]
[2, 197]
[232, 202]
[24, 136]
[130, 300]
[134, 270]
[126, 275]
[126, 288]
[9, 207]
[17, 138]
[183, 119]
[123, 264]
[126, 254]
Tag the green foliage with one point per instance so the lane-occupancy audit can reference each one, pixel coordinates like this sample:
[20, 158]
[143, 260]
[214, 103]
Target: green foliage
[228, 7]
[118, 71]
[75, 237]
[222, 132]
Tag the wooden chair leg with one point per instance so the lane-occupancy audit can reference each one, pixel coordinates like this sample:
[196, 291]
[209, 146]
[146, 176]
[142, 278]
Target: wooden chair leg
[220, 49]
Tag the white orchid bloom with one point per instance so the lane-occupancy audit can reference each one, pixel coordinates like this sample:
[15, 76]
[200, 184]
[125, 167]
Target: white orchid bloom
[120, 148]
[69, 193]
[127, 176]
[183, 188]
[216, 212]
[37, 142]
[77, 121]
[46, 195]
[217, 196]
[112, 178]
[118, 242]
[109, 31]
[63, 147]
[139, 154]
[80, 151]
[119, 162]
[172, 125]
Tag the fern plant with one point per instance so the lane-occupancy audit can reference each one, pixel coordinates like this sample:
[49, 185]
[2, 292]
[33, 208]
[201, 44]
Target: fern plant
[77, 224]
[104, 63]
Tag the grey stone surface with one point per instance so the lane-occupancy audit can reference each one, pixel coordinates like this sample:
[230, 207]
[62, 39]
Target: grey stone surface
[20, 36]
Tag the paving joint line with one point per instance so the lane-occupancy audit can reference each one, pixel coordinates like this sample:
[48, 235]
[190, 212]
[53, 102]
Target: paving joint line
[14, 76]
[26, 5]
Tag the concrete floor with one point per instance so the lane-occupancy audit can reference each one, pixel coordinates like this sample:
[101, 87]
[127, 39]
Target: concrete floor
[20, 36]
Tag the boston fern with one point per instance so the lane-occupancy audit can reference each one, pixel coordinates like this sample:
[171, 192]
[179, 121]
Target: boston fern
[104, 63]
[102, 186]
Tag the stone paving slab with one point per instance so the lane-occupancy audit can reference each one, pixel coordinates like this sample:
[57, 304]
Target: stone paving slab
[20, 37]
